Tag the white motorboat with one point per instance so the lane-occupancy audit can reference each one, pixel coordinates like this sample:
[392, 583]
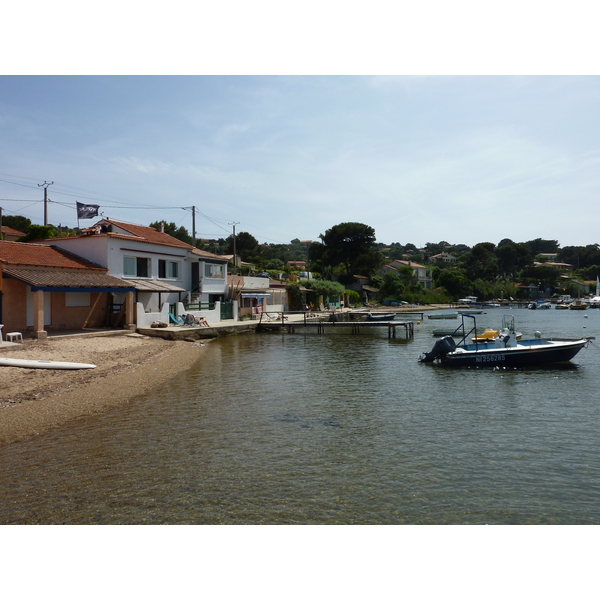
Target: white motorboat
[504, 351]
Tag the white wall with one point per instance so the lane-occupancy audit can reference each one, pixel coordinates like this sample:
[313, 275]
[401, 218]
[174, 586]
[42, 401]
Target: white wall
[211, 316]
[91, 248]
[145, 319]
[211, 285]
[255, 283]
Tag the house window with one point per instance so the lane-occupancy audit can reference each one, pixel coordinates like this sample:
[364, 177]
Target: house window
[168, 269]
[73, 299]
[215, 271]
[136, 267]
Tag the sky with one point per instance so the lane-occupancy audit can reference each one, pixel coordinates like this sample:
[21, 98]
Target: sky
[463, 159]
[449, 153]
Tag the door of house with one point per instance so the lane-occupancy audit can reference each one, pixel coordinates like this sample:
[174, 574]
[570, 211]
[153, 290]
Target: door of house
[195, 276]
[226, 310]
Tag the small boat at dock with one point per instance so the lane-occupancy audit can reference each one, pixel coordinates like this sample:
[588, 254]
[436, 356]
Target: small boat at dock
[382, 317]
[453, 315]
[577, 305]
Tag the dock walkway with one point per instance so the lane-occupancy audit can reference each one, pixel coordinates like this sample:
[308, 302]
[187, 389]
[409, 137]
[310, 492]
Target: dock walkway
[282, 321]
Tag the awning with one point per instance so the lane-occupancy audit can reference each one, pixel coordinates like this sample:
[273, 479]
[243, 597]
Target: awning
[68, 280]
[256, 295]
[153, 285]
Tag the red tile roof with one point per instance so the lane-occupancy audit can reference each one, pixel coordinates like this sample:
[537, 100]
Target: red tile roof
[11, 231]
[138, 233]
[147, 234]
[205, 254]
[20, 253]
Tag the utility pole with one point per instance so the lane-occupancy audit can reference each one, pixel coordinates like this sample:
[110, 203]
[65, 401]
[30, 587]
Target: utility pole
[193, 209]
[234, 251]
[45, 186]
[194, 226]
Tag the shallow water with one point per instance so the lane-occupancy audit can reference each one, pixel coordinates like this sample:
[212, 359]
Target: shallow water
[333, 428]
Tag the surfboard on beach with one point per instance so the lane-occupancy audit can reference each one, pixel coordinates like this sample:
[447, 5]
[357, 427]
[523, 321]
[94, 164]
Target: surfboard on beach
[42, 364]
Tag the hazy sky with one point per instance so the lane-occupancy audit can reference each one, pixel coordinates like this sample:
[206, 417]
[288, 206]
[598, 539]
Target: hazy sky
[420, 159]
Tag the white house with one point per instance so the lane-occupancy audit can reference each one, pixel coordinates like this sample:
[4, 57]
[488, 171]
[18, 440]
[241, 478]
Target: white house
[421, 273]
[208, 276]
[443, 257]
[156, 264]
[163, 269]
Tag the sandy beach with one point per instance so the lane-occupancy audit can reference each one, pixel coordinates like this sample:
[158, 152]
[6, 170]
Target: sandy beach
[35, 400]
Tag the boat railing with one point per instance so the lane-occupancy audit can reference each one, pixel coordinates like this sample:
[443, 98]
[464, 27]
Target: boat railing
[508, 322]
[461, 330]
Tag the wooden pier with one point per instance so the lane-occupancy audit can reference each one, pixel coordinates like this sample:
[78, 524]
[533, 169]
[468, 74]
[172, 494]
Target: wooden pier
[283, 322]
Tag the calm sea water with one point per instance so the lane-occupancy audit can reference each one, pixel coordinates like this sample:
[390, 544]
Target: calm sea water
[330, 429]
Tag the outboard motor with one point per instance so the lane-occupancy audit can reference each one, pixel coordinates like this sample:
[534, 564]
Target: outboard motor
[440, 348]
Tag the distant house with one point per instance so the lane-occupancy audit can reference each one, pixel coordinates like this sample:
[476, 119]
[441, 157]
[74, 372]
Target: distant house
[443, 257]
[362, 285]
[296, 264]
[421, 273]
[45, 287]
[584, 287]
[531, 290]
[556, 265]
[547, 256]
[9, 234]
[236, 261]
[254, 294]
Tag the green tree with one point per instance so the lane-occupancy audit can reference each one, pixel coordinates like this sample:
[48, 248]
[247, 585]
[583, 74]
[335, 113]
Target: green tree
[454, 281]
[481, 262]
[16, 222]
[580, 257]
[392, 286]
[546, 277]
[351, 245]
[512, 257]
[39, 232]
[540, 246]
[246, 247]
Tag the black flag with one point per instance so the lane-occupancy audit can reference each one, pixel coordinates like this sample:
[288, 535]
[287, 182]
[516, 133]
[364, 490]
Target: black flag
[87, 211]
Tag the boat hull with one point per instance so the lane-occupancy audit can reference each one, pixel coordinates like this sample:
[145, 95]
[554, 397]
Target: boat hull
[531, 354]
[389, 317]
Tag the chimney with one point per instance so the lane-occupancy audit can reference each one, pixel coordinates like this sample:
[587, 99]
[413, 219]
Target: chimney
[162, 226]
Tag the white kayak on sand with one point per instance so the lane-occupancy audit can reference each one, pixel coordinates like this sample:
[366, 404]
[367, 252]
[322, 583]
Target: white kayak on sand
[42, 364]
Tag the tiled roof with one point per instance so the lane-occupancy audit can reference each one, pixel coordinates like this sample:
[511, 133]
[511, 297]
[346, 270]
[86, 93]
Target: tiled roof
[204, 254]
[137, 233]
[405, 263]
[65, 278]
[10, 231]
[147, 234]
[39, 255]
